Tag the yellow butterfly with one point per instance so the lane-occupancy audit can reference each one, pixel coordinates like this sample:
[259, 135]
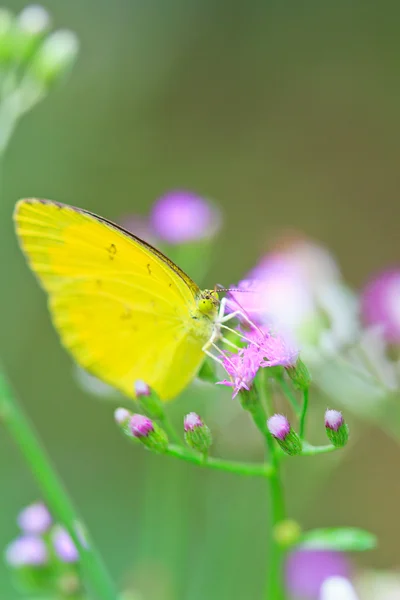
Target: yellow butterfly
[122, 308]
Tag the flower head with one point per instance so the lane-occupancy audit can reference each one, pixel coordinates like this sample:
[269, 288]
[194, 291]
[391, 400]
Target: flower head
[274, 349]
[26, 550]
[34, 519]
[64, 545]
[278, 426]
[180, 216]
[141, 426]
[242, 367]
[333, 419]
[380, 303]
[191, 421]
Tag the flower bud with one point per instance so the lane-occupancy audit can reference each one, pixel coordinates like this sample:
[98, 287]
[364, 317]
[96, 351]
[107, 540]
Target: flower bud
[122, 417]
[336, 429]
[300, 375]
[197, 434]
[33, 19]
[287, 533]
[27, 550]
[279, 427]
[55, 56]
[148, 432]
[34, 519]
[63, 545]
[148, 400]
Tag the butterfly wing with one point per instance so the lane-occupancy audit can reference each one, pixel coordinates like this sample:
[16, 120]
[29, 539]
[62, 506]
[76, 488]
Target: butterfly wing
[121, 307]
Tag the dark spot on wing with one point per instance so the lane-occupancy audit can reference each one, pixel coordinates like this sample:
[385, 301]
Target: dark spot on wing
[126, 315]
[170, 284]
[148, 268]
[112, 251]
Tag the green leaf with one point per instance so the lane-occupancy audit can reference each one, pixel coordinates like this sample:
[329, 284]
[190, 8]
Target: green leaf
[344, 539]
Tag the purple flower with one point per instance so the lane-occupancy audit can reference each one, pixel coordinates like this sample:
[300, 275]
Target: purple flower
[141, 426]
[181, 216]
[34, 519]
[333, 419]
[242, 367]
[306, 570]
[63, 545]
[380, 303]
[26, 550]
[278, 426]
[191, 421]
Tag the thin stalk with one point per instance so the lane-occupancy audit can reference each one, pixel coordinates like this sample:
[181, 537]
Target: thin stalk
[274, 586]
[303, 414]
[170, 430]
[290, 396]
[260, 470]
[309, 450]
[18, 425]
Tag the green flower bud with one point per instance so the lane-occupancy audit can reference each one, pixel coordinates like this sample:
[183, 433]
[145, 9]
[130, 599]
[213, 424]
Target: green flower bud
[148, 400]
[279, 427]
[287, 533]
[300, 375]
[55, 56]
[149, 433]
[336, 428]
[197, 434]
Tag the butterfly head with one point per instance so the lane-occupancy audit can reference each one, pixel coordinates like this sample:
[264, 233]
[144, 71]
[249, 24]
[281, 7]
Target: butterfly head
[208, 302]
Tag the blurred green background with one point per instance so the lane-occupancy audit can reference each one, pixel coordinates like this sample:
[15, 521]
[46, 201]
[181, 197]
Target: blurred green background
[287, 114]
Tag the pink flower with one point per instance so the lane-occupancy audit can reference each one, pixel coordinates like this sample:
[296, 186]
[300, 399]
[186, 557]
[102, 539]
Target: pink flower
[180, 216]
[274, 349]
[242, 367]
[275, 292]
[381, 303]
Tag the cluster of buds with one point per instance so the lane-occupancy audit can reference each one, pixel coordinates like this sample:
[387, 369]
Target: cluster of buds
[144, 428]
[32, 60]
[43, 557]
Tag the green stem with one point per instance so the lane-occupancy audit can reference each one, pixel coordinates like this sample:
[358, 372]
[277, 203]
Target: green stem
[53, 491]
[290, 396]
[260, 470]
[275, 586]
[309, 450]
[303, 414]
[170, 430]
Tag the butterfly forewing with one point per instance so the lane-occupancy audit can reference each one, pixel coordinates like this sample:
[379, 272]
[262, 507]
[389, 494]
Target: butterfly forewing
[120, 307]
